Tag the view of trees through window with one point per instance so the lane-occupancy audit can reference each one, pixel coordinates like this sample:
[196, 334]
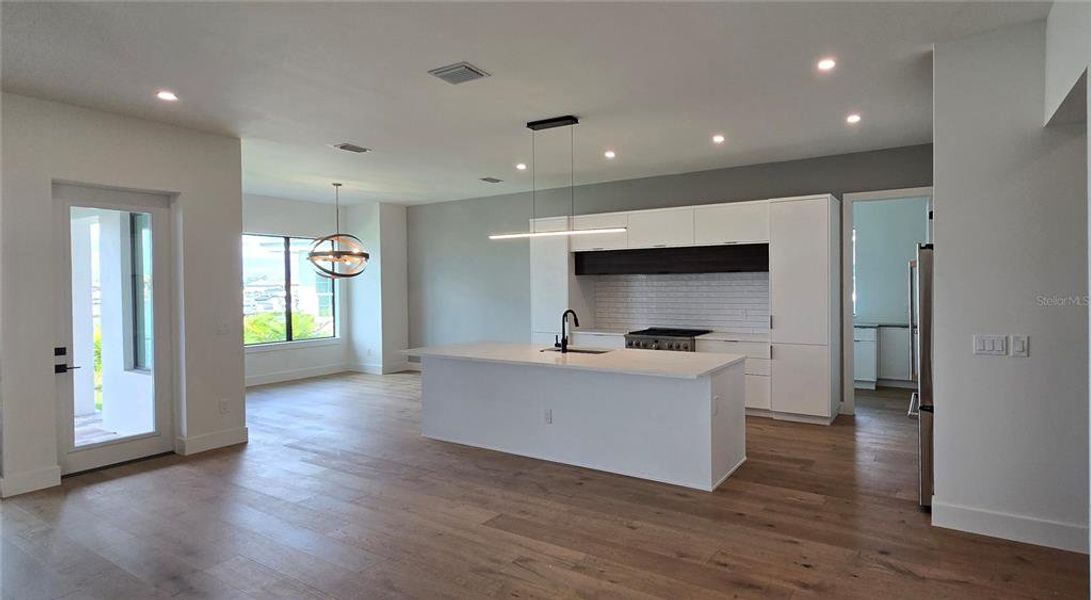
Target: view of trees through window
[284, 298]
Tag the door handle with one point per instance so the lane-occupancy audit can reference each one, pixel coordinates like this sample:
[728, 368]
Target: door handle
[63, 368]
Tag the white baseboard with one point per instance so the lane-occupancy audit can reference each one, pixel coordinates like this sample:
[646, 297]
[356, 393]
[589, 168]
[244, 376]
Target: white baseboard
[1020, 528]
[898, 383]
[412, 366]
[210, 441]
[769, 414]
[380, 369]
[808, 419]
[293, 374]
[729, 473]
[14, 484]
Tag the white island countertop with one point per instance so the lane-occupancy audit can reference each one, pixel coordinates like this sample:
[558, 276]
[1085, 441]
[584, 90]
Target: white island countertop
[652, 363]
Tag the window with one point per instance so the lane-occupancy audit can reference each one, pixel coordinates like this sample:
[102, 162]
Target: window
[284, 299]
[140, 254]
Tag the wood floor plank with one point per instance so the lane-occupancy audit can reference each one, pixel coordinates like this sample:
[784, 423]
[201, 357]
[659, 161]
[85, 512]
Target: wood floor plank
[337, 497]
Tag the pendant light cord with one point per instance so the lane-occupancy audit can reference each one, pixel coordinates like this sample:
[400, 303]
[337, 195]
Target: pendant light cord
[572, 174]
[533, 184]
[337, 209]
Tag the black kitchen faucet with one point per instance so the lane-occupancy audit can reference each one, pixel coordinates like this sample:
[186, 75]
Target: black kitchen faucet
[563, 342]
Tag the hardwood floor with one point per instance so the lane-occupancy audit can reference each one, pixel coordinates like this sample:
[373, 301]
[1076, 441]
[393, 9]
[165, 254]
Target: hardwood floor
[337, 496]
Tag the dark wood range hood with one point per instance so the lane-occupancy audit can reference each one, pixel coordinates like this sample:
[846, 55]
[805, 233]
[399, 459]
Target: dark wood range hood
[691, 259]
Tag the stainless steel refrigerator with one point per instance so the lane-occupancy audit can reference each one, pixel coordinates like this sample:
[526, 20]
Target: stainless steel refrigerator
[920, 340]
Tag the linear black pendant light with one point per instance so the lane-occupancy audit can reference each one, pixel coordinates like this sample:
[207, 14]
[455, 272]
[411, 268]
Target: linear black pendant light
[533, 126]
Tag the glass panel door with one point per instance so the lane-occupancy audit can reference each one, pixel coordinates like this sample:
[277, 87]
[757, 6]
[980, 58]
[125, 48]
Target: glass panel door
[113, 353]
[113, 395]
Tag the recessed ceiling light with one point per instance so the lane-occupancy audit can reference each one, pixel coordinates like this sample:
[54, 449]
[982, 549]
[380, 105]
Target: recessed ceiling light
[166, 95]
[609, 154]
[521, 166]
[852, 119]
[826, 64]
[718, 139]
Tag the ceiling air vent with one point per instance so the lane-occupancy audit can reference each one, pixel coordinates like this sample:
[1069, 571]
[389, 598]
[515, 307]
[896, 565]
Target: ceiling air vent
[350, 147]
[491, 180]
[459, 73]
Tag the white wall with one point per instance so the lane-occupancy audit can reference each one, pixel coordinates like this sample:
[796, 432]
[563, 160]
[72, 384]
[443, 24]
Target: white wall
[365, 302]
[1087, 120]
[273, 363]
[1068, 38]
[1011, 211]
[887, 234]
[45, 142]
[395, 303]
[377, 299]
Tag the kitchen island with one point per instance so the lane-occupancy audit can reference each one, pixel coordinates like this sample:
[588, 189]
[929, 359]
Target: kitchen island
[673, 417]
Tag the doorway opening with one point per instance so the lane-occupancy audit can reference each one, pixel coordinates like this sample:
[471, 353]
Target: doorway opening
[882, 232]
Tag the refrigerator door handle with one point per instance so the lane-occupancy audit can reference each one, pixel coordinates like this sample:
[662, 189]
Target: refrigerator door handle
[910, 284]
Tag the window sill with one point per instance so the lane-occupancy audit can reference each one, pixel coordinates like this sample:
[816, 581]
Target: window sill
[296, 345]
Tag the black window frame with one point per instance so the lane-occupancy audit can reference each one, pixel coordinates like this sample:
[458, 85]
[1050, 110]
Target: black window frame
[288, 333]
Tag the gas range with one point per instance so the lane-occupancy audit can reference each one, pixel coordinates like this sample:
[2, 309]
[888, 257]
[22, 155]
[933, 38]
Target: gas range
[664, 338]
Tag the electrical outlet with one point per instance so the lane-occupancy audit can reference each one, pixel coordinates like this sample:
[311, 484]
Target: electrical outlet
[225, 406]
[549, 416]
[1020, 345]
[991, 345]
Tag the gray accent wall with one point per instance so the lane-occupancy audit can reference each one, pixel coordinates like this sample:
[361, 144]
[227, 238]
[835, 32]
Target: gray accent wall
[464, 287]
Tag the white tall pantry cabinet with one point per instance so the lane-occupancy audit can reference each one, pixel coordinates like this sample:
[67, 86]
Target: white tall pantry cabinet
[805, 306]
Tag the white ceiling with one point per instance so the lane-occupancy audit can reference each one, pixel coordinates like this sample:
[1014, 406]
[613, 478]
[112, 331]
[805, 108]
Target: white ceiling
[652, 81]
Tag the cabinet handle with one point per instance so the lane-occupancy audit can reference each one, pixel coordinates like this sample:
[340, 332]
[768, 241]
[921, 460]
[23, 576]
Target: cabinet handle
[659, 246]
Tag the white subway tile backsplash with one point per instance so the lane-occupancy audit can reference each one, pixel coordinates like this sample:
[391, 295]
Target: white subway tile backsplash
[735, 302]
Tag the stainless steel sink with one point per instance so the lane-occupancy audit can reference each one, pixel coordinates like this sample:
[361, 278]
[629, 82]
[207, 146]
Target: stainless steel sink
[576, 350]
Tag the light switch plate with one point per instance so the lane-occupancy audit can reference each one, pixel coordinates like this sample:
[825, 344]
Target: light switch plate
[1020, 345]
[991, 345]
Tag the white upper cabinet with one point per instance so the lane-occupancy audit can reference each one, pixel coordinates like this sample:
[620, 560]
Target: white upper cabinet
[549, 274]
[737, 223]
[799, 271]
[599, 241]
[661, 228]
